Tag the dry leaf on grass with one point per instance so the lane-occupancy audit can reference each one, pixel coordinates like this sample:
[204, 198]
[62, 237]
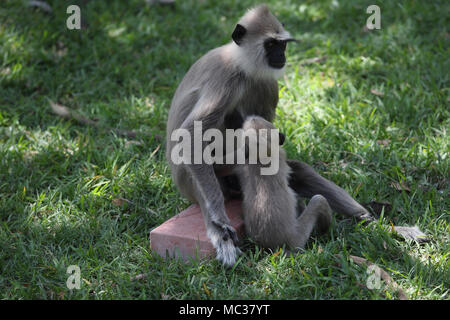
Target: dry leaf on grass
[118, 202]
[141, 276]
[411, 233]
[383, 275]
[276, 254]
[313, 60]
[376, 92]
[384, 142]
[68, 114]
[402, 186]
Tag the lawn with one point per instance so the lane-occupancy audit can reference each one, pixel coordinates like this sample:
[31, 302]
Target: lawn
[368, 109]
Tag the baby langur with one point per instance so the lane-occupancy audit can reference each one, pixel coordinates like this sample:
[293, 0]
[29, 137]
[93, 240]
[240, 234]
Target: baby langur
[269, 204]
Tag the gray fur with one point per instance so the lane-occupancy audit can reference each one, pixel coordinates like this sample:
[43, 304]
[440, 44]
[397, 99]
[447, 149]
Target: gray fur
[270, 205]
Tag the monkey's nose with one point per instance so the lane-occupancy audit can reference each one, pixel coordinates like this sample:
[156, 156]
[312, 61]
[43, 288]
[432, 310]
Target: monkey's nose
[281, 137]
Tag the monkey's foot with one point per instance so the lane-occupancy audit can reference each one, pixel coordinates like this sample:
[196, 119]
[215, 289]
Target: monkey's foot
[412, 233]
[223, 238]
[324, 213]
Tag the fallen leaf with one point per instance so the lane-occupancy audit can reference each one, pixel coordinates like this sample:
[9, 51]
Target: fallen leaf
[383, 142]
[205, 288]
[165, 296]
[412, 233]
[60, 50]
[118, 202]
[138, 277]
[276, 254]
[382, 274]
[155, 151]
[5, 71]
[313, 60]
[305, 274]
[376, 92]
[68, 114]
[402, 186]
[133, 143]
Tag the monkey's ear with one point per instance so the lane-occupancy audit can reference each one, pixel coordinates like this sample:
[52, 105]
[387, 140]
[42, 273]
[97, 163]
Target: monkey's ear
[238, 34]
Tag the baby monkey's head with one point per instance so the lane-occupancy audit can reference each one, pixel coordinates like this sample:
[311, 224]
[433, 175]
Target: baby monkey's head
[262, 141]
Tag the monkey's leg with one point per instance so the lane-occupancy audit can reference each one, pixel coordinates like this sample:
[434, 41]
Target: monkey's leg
[210, 198]
[307, 183]
[316, 214]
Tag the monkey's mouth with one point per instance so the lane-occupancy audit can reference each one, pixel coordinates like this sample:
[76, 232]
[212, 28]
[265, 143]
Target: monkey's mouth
[277, 65]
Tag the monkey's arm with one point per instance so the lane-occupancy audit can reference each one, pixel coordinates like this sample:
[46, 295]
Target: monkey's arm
[210, 110]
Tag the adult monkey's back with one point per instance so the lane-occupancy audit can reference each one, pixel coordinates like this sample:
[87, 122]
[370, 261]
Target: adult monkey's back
[238, 78]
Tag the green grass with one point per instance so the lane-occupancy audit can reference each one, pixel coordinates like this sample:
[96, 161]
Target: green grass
[373, 113]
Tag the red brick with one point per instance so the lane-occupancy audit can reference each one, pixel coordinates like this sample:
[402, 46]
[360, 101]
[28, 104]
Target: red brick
[185, 233]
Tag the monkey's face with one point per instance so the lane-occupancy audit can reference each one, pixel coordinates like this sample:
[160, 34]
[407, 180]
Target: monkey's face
[275, 52]
[261, 43]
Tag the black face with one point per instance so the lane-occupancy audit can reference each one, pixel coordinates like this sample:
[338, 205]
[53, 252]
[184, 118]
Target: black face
[275, 52]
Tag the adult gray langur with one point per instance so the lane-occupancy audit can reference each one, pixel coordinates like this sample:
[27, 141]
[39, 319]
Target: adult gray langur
[221, 89]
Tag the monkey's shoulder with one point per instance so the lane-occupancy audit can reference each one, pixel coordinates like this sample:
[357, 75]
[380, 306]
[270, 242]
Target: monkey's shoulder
[223, 66]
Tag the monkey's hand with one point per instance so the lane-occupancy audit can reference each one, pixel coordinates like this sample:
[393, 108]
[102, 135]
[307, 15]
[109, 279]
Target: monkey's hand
[224, 239]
